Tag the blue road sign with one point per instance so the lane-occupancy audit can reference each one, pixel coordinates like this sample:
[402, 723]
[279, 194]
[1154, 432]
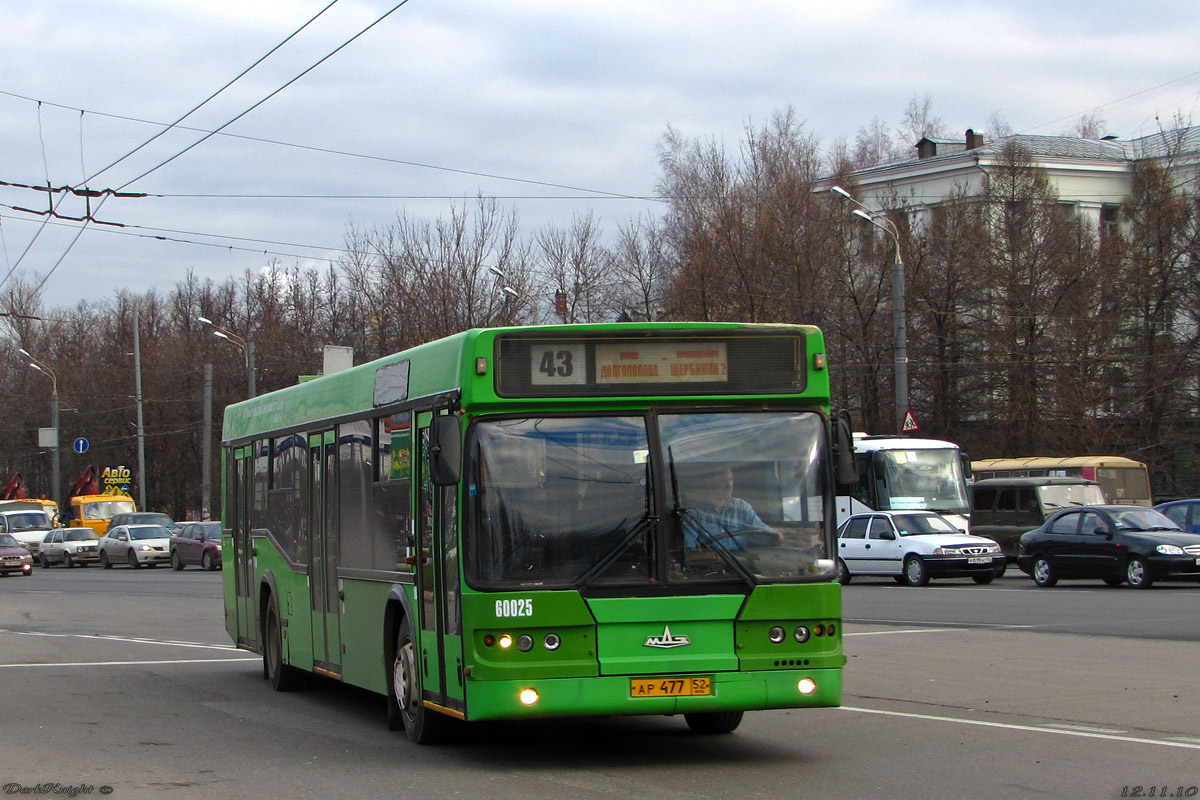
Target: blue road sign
[81, 445]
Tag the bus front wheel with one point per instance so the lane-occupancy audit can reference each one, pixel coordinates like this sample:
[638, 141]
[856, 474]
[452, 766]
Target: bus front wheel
[283, 677]
[713, 722]
[405, 709]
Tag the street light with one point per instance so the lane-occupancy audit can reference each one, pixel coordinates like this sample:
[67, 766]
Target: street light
[899, 323]
[247, 350]
[515, 293]
[45, 370]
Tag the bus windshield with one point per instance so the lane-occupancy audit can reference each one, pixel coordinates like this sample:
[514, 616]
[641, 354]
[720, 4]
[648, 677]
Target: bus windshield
[569, 502]
[930, 479]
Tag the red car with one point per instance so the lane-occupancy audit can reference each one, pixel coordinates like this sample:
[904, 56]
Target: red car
[198, 543]
[14, 557]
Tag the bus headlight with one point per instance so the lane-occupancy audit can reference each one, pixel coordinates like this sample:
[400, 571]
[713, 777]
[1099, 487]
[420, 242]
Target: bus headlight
[524, 642]
[802, 633]
[776, 635]
[528, 697]
[806, 686]
[505, 641]
[552, 641]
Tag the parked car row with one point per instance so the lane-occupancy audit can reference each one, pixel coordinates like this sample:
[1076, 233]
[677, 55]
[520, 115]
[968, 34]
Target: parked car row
[1114, 543]
[133, 544]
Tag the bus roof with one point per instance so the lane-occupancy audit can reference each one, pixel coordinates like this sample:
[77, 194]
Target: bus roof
[864, 443]
[1052, 462]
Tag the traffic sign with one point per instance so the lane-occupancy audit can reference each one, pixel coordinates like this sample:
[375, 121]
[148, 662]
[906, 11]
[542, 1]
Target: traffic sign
[80, 445]
[910, 423]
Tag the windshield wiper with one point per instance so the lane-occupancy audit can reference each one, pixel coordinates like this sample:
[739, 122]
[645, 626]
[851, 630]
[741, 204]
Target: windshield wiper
[612, 555]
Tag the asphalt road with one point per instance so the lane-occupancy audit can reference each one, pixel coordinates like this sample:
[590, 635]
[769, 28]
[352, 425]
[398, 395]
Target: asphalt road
[126, 680]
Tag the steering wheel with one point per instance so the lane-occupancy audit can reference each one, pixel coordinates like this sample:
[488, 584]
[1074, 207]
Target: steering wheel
[751, 537]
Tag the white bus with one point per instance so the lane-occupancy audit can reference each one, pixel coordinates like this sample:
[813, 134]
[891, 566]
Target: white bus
[897, 473]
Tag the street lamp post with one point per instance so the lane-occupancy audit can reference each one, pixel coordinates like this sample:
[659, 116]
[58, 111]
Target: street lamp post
[899, 321]
[54, 460]
[247, 350]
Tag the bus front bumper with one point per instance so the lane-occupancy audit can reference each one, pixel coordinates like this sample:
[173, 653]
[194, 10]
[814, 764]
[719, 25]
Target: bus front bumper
[604, 695]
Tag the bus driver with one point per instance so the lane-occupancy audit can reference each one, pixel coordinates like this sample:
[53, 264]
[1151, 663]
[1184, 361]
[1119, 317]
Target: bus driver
[716, 515]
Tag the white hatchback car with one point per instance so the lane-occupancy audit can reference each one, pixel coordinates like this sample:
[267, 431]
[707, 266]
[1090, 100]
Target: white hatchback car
[69, 546]
[135, 545]
[912, 547]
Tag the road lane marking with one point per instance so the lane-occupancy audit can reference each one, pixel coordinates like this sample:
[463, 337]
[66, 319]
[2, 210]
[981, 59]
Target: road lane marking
[1088, 728]
[111, 638]
[1171, 742]
[935, 625]
[885, 633]
[136, 663]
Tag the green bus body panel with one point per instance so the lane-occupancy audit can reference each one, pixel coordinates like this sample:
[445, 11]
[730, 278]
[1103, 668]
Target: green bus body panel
[670, 609]
[563, 613]
[295, 611]
[783, 600]
[628, 623]
[229, 586]
[361, 617]
[363, 662]
[787, 606]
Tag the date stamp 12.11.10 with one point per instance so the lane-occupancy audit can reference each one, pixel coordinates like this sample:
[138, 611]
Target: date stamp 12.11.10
[1160, 791]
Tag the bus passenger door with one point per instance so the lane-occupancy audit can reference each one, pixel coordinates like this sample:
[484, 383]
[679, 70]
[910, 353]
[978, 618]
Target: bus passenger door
[438, 584]
[323, 544]
[243, 548]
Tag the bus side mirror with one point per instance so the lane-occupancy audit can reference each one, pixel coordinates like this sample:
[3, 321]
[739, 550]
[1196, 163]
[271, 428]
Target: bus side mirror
[445, 450]
[844, 470]
[966, 465]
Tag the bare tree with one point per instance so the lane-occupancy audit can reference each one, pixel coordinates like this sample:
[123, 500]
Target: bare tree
[873, 145]
[919, 121]
[641, 263]
[580, 271]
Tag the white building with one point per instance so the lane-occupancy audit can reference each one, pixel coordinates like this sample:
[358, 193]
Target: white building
[1090, 176]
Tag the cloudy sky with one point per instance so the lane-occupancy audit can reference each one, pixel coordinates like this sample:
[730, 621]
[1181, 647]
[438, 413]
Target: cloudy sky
[554, 107]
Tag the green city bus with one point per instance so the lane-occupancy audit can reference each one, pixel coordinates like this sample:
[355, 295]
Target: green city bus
[511, 523]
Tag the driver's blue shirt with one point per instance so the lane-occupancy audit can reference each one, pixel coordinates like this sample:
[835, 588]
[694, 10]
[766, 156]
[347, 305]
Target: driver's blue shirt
[737, 515]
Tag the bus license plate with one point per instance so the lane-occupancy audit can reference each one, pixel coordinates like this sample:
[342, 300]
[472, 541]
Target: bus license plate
[979, 560]
[669, 687]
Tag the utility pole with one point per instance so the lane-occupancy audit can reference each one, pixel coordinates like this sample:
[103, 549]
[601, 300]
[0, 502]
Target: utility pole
[141, 428]
[206, 447]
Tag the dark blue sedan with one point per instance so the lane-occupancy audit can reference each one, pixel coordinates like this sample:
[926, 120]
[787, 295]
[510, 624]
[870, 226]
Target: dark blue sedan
[1117, 544]
[1184, 513]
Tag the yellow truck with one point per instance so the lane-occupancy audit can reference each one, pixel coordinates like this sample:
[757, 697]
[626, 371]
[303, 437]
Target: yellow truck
[95, 510]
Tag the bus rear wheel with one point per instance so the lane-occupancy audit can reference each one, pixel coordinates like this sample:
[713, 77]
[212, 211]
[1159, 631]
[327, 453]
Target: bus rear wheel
[714, 722]
[405, 709]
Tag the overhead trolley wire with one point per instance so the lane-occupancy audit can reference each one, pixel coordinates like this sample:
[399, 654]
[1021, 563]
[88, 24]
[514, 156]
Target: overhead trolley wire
[209, 135]
[321, 61]
[53, 207]
[206, 100]
[349, 154]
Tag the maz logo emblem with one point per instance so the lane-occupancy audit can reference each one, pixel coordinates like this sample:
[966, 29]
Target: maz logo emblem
[667, 640]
